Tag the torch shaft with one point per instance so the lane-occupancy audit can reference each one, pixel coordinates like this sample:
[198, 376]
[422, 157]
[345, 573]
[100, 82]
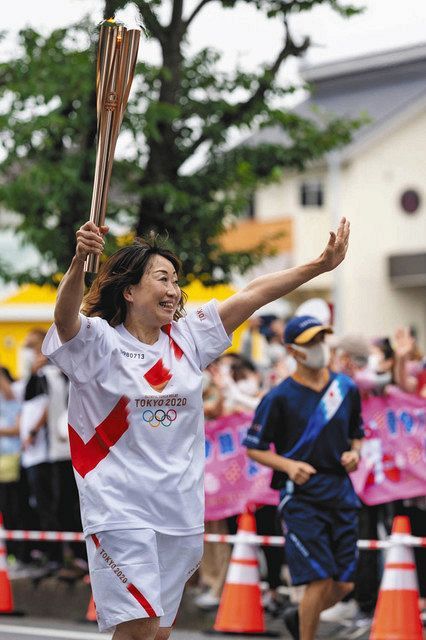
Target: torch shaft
[117, 54]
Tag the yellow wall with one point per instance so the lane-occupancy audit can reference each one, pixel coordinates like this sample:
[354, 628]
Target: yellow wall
[12, 335]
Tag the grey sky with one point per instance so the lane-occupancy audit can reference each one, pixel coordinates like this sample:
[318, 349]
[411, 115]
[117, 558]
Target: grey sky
[242, 35]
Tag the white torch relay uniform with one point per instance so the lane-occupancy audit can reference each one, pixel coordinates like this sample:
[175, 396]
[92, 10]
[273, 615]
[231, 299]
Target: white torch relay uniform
[136, 430]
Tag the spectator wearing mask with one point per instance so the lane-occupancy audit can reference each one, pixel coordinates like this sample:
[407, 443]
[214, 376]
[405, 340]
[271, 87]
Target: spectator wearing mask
[33, 429]
[254, 345]
[239, 382]
[313, 419]
[214, 563]
[10, 454]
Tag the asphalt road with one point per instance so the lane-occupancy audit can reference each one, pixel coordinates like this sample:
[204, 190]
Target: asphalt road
[36, 628]
[50, 629]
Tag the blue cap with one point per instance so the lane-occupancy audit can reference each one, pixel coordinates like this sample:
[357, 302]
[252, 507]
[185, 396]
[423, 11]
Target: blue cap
[301, 329]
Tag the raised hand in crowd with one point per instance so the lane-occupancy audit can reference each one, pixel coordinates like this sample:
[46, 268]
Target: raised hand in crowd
[404, 345]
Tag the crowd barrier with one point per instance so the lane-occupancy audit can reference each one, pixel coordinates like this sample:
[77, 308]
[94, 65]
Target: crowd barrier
[241, 609]
[264, 541]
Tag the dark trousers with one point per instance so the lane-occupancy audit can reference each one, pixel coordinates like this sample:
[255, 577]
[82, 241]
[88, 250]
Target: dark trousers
[67, 505]
[42, 498]
[418, 528]
[10, 508]
[267, 524]
[369, 569]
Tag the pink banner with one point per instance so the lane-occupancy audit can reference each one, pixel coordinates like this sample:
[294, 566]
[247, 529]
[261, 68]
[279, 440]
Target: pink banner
[232, 480]
[394, 452]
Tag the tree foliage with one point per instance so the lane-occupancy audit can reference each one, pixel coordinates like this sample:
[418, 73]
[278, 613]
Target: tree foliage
[180, 107]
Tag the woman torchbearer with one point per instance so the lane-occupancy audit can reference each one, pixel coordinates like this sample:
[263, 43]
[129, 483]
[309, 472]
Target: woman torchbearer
[135, 363]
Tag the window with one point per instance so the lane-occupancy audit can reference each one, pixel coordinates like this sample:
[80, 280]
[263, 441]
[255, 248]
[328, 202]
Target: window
[312, 193]
[249, 213]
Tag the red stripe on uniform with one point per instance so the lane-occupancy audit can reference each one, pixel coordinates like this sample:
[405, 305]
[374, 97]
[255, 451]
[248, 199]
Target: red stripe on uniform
[407, 566]
[174, 345]
[142, 600]
[96, 541]
[87, 455]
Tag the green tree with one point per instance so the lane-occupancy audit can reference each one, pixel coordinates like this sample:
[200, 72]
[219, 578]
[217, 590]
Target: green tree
[180, 106]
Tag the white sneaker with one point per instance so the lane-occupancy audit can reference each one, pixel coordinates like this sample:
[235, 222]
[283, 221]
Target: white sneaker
[207, 601]
[340, 611]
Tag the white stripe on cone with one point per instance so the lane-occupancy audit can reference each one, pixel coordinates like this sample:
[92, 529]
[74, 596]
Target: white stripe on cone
[244, 551]
[242, 574]
[399, 580]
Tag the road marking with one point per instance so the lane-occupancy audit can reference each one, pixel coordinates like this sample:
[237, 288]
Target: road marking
[52, 633]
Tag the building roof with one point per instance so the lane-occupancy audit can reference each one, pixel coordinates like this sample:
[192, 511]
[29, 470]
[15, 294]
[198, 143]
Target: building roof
[246, 235]
[380, 86]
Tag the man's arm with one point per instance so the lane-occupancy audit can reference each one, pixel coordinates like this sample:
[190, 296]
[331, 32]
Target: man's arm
[299, 472]
[350, 459]
[269, 287]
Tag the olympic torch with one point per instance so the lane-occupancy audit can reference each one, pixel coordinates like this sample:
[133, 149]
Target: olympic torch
[117, 54]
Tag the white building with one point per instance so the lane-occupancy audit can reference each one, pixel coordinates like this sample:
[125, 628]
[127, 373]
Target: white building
[378, 182]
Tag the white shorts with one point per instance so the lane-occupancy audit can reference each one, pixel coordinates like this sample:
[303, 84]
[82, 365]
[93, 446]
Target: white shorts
[140, 573]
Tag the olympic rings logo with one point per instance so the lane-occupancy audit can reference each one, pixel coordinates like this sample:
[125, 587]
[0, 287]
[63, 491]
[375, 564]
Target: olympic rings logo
[154, 419]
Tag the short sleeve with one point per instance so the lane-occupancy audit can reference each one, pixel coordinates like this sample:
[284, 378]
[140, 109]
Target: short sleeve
[205, 330]
[356, 432]
[264, 426]
[84, 355]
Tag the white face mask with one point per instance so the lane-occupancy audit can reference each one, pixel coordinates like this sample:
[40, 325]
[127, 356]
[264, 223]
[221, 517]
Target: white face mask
[248, 386]
[317, 356]
[374, 362]
[27, 357]
[368, 380]
[276, 352]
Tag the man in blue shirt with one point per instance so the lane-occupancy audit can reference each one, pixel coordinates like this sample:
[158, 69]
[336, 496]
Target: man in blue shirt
[313, 419]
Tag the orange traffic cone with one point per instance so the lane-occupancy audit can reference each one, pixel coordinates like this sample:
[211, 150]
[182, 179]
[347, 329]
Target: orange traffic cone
[240, 609]
[6, 597]
[91, 611]
[397, 615]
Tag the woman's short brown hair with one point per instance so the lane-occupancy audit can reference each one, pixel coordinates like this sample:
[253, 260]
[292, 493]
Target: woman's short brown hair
[124, 268]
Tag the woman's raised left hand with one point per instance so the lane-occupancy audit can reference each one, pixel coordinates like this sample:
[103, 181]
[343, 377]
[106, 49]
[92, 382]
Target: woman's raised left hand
[336, 248]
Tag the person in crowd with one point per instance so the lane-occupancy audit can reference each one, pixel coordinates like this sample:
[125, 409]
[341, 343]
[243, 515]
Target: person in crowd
[352, 352]
[10, 455]
[313, 419]
[381, 363]
[408, 360]
[240, 384]
[254, 345]
[216, 557]
[33, 430]
[139, 464]
[64, 491]
[281, 363]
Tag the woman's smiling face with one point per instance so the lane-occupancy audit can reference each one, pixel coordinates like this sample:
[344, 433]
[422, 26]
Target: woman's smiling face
[155, 298]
